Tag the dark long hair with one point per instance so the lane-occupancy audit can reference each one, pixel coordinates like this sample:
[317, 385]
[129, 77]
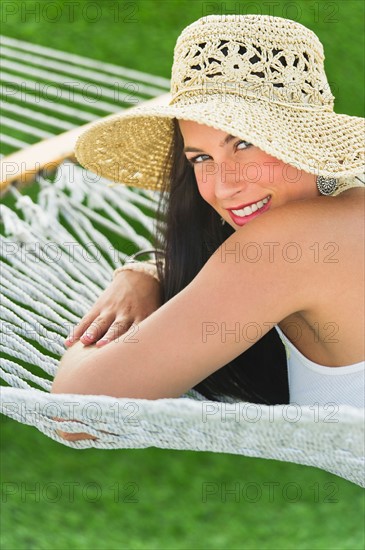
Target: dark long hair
[188, 232]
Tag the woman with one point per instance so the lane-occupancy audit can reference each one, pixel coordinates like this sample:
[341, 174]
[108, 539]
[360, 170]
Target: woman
[268, 181]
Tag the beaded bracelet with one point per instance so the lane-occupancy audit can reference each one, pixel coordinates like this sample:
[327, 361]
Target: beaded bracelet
[144, 267]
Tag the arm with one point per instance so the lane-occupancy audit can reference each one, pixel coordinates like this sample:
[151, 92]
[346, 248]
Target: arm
[170, 353]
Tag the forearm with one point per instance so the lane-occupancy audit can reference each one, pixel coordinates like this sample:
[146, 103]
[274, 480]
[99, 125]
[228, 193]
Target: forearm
[169, 354]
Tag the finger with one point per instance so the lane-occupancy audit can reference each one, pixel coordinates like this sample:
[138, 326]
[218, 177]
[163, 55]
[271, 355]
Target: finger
[96, 330]
[115, 331]
[80, 328]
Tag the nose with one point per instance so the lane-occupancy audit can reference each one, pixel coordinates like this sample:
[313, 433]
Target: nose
[229, 180]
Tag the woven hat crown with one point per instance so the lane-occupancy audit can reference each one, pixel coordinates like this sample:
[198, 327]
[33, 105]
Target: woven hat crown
[251, 56]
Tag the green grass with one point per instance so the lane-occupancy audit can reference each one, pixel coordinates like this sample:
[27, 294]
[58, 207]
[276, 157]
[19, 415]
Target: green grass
[170, 512]
[309, 508]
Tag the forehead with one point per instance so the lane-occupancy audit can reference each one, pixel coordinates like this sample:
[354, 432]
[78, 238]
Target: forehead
[195, 134]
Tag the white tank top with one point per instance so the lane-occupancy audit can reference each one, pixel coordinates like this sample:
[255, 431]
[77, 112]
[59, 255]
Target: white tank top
[310, 383]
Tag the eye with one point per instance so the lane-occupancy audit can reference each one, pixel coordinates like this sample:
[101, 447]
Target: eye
[243, 144]
[198, 159]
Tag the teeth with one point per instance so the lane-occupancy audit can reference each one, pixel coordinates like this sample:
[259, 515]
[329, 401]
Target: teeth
[247, 210]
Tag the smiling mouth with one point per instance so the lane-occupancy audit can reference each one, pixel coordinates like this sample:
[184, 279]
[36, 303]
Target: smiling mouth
[250, 209]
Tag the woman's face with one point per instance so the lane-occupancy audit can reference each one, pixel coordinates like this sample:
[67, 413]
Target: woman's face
[238, 179]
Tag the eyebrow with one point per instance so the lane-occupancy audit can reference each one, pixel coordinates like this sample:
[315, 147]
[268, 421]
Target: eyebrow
[226, 140]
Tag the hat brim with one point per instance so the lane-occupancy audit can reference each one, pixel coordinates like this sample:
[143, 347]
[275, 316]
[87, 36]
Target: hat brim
[132, 147]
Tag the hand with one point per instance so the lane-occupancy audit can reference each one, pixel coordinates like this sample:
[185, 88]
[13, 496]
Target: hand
[131, 297]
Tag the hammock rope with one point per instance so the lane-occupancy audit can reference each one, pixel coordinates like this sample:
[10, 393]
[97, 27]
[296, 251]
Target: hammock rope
[43, 297]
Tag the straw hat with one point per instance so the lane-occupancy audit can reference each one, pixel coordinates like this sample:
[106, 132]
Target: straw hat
[257, 77]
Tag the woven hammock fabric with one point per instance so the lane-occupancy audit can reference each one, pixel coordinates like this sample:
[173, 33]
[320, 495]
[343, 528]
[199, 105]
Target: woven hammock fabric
[55, 263]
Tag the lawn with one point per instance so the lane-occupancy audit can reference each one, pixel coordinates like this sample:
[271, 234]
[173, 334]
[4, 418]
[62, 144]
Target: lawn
[57, 497]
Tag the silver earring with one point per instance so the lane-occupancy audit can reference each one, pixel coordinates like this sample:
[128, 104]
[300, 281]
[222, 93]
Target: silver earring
[326, 186]
[223, 221]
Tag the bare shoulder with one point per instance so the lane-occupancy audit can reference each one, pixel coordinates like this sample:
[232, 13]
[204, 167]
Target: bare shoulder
[304, 245]
[309, 255]
[318, 222]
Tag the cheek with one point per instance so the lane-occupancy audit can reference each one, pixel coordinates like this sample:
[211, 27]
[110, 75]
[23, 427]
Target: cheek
[271, 169]
[274, 171]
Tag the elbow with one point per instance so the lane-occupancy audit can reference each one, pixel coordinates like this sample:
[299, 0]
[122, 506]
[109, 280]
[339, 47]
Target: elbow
[66, 436]
[71, 377]
[58, 387]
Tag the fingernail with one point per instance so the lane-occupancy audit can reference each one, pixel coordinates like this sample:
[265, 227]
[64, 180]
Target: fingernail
[102, 342]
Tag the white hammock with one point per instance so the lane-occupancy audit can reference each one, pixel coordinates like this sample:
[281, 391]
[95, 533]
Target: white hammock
[47, 286]
[47, 291]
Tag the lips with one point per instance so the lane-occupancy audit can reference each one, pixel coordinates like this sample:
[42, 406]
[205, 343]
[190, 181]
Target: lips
[244, 213]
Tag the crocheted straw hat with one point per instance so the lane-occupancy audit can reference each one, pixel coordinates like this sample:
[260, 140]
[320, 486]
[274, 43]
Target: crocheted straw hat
[259, 78]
